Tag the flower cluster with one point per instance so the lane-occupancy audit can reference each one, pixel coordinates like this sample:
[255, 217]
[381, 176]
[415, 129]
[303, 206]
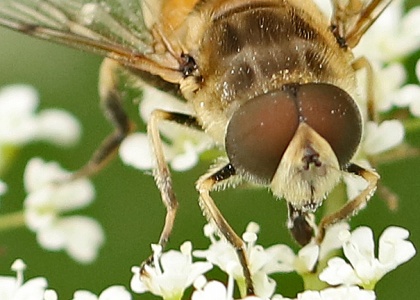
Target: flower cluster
[390, 40]
[171, 274]
[50, 196]
[174, 271]
[15, 288]
[12, 288]
[21, 124]
[50, 193]
[365, 269]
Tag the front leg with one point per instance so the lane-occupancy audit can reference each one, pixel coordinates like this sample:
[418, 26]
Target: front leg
[205, 185]
[353, 206]
[161, 172]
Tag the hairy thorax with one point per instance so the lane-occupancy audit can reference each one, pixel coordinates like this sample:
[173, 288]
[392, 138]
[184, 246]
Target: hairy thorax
[243, 51]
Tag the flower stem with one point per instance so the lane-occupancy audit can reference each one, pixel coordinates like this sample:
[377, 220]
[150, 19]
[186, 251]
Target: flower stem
[311, 282]
[12, 220]
[8, 155]
[241, 286]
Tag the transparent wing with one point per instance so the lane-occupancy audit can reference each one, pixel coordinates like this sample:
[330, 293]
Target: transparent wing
[113, 28]
[352, 18]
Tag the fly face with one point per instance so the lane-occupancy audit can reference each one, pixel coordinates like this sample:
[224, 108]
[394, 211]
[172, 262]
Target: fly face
[272, 82]
[299, 138]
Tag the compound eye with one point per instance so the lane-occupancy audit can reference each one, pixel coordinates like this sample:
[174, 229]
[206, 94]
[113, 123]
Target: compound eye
[259, 132]
[332, 113]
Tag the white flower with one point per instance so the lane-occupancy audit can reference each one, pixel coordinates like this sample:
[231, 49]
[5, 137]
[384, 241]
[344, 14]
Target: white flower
[216, 290]
[12, 288]
[19, 123]
[391, 38]
[382, 137]
[172, 273]
[338, 293]
[364, 269]
[50, 196]
[388, 80]
[331, 242]
[111, 293]
[307, 257]
[50, 295]
[58, 127]
[303, 262]
[212, 290]
[394, 35]
[184, 144]
[409, 95]
[261, 261]
[390, 90]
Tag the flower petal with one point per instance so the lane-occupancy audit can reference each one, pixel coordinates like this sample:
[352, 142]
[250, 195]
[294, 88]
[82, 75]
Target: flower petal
[185, 160]
[80, 236]
[282, 259]
[170, 274]
[31, 289]
[136, 151]
[347, 293]
[39, 173]
[58, 127]
[115, 292]
[330, 241]
[307, 258]
[212, 290]
[339, 272]
[84, 295]
[383, 137]
[84, 237]
[394, 249]
[360, 245]
[17, 108]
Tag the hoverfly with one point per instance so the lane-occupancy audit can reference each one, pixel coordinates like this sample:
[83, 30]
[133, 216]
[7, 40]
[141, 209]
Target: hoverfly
[271, 81]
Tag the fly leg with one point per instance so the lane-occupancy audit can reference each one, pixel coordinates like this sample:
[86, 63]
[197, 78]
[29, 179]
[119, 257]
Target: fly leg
[362, 63]
[352, 18]
[111, 104]
[205, 185]
[353, 206]
[162, 173]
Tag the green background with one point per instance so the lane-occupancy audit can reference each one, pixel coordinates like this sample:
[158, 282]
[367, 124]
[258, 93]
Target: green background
[128, 204]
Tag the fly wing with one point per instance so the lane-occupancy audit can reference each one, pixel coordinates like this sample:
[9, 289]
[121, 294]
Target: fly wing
[352, 18]
[119, 29]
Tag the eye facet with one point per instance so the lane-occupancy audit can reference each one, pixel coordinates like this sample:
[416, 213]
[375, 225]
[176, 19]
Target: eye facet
[332, 113]
[260, 131]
